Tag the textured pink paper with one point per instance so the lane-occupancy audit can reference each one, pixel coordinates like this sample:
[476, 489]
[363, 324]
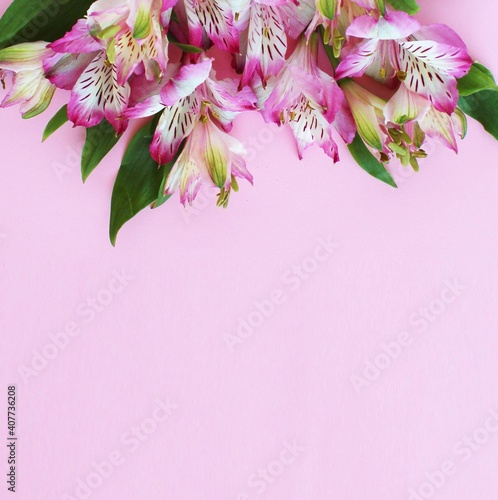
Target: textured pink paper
[371, 372]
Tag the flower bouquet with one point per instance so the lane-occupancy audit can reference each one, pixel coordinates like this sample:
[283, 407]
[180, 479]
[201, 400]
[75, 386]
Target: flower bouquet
[390, 85]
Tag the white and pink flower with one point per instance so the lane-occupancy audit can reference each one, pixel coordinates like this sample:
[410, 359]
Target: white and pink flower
[96, 59]
[427, 61]
[130, 59]
[198, 109]
[309, 101]
[23, 64]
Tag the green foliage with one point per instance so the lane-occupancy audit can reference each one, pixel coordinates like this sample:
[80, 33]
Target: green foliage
[367, 161]
[99, 142]
[139, 181]
[31, 20]
[59, 119]
[410, 6]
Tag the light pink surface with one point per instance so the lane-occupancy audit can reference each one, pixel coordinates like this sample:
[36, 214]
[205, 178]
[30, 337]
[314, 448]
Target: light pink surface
[167, 333]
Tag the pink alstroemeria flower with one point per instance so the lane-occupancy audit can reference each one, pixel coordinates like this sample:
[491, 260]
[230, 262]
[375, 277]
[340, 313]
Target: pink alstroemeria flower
[192, 89]
[407, 141]
[210, 156]
[426, 60]
[30, 89]
[368, 113]
[265, 39]
[216, 20]
[382, 131]
[335, 16]
[442, 127]
[199, 109]
[310, 101]
[96, 59]
[297, 14]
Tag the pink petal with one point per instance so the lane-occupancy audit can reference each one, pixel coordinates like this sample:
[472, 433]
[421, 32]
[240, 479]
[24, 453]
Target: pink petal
[216, 18]
[64, 70]
[394, 25]
[175, 124]
[440, 33]
[97, 95]
[443, 58]
[440, 126]
[188, 78]
[359, 59]
[422, 78]
[78, 40]
[227, 101]
[297, 15]
[405, 106]
[267, 44]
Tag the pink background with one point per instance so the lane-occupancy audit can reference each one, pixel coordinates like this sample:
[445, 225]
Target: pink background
[198, 274]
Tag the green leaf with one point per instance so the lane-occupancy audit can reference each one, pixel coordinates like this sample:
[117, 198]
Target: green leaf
[410, 6]
[368, 162]
[483, 107]
[59, 119]
[31, 20]
[478, 78]
[138, 182]
[190, 49]
[99, 141]
[161, 196]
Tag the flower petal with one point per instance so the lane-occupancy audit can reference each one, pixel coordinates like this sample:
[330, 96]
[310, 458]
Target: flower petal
[216, 18]
[309, 126]
[97, 95]
[227, 101]
[24, 87]
[78, 40]
[63, 70]
[128, 55]
[185, 176]
[149, 107]
[422, 78]
[175, 124]
[297, 15]
[188, 78]
[140, 18]
[266, 45]
[440, 33]
[443, 58]
[366, 109]
[440, 126]
[394, 25]
[40, 101]
[365, 54]
[24, 56]
[405, 106]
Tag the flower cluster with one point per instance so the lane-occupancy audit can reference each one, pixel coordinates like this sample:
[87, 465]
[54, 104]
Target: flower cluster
[129, 59]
